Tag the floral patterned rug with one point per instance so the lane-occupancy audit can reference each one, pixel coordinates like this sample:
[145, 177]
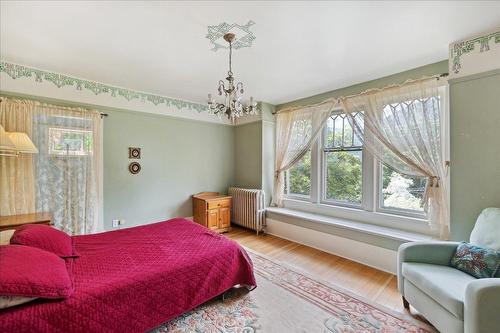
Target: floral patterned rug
[287, 300]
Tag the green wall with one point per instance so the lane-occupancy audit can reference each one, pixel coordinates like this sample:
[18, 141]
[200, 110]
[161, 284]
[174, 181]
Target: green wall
[248, 155]
[475, 149]
[254, 152]
[179, 158]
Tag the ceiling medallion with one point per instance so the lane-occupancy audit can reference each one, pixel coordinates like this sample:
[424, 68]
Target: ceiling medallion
[232, 107]
[216, 35]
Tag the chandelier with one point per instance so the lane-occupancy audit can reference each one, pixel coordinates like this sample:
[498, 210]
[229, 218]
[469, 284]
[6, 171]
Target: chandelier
[233, 107]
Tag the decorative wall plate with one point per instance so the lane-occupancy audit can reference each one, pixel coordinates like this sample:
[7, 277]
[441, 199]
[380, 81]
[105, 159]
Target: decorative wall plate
[134, 152]
[134, 168]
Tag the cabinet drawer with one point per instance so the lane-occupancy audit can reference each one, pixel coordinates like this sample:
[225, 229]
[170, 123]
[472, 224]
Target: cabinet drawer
[219, 203]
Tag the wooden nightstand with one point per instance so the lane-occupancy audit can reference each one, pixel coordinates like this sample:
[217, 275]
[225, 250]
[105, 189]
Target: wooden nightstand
[15, 221]
[212, 210]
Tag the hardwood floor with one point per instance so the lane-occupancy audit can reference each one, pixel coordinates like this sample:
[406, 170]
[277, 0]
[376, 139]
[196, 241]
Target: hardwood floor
[377, 286]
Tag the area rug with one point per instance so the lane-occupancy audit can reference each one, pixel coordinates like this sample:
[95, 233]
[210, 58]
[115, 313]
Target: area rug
[287, 300]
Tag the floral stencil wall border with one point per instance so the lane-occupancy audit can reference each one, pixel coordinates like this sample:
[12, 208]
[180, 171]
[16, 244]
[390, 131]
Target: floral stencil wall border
[16, 71]
[468, 46]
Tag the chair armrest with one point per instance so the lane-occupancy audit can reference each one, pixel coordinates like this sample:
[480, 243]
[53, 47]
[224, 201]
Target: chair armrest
[437, 253]
[481, 306]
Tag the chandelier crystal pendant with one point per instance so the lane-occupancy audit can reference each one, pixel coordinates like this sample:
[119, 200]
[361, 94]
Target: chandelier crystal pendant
[233, 107]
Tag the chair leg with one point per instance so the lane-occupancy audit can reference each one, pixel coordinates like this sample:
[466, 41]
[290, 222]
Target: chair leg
[405, 303]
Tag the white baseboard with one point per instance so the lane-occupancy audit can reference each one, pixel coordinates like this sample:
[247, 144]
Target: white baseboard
[367, 254]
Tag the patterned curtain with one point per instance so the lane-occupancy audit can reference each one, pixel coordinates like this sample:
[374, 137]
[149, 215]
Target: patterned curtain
[66, 170]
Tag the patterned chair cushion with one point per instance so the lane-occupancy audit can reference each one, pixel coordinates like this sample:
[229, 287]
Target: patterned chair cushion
[477, 261]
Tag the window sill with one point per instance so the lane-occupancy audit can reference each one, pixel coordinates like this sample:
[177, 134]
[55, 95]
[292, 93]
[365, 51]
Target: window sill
[373, 234]
[382, 219]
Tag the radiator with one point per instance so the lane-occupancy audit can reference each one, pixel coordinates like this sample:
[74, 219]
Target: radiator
[248, 208]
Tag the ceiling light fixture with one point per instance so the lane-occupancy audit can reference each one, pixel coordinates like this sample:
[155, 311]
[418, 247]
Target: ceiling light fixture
[232, 107]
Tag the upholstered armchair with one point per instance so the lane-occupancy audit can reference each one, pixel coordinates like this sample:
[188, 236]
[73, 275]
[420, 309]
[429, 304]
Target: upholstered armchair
[452, 300]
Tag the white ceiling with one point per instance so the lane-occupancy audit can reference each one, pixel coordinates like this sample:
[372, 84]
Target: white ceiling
[301, 48]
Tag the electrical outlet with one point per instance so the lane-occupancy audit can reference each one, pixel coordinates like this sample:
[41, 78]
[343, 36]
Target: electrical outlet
[121, 222]
[115, 223]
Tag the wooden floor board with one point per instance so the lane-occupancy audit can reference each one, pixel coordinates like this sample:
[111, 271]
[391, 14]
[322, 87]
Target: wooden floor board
[373, 284]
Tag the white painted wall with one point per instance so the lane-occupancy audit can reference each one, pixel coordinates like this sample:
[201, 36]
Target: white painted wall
[370, 255]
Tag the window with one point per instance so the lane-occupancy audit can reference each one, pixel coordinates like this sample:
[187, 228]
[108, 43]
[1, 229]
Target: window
[401, 192]
[298, 178]
[341, 178]
[342, 161]
[70, 142]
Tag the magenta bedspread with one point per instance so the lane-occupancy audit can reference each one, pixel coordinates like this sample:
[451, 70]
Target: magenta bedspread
[135, 279]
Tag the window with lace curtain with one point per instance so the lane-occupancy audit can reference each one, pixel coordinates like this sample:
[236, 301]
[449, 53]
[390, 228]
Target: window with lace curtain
[350, 176]
[64, 177]
[342, 172]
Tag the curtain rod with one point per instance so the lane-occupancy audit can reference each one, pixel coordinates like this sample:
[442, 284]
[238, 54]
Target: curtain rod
[332, 99]
[54, 105]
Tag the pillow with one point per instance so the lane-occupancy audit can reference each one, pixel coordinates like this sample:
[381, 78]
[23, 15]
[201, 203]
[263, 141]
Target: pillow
[486, 231]
[31, 272]
[8, 301]
[46, 238]
[5, 236]
[477, 261]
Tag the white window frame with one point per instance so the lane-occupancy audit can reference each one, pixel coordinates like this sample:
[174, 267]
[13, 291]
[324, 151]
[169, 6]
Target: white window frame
[392, 210]
[323, 166]
[371, 209]
[296, 196]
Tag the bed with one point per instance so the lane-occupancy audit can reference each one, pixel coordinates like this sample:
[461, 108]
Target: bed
[135, 279]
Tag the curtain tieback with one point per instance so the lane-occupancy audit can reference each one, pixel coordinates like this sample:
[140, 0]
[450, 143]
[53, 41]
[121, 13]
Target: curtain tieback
[432, 182]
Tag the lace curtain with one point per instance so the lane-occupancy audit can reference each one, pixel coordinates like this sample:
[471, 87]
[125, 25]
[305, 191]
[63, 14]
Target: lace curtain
[402, 127]
[17, 182]
[66, 171]
[296, 131]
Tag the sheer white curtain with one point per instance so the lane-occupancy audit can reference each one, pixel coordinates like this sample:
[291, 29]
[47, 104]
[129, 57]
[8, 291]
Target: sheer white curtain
[66, 171]
[296, 131]
[402, 126]
[17, 182]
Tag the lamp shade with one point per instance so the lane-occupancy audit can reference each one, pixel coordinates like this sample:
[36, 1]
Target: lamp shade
[22, 142]
[6, 143]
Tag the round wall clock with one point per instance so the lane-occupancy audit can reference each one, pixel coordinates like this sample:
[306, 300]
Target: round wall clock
[134, 168]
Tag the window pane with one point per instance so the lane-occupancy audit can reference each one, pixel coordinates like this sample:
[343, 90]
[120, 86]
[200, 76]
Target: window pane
[329, 132]
[344, 176]
[339, 133]
[299, 177]
[402, 191]
[67, 141]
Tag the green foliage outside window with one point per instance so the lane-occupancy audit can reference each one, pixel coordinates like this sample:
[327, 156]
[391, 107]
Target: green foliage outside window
[344, 176]
[300, 176]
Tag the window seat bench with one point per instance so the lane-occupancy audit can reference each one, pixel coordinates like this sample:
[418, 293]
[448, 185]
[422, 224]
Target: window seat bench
[386, 237]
